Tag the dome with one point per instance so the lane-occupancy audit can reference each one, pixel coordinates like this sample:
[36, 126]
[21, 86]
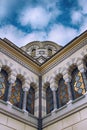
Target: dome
[41, 50]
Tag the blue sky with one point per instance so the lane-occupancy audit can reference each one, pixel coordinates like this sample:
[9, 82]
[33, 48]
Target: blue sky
[23, 21]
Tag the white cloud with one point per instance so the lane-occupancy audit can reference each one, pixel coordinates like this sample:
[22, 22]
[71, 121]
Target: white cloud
[18, 37]
[12, 33]
[76, 17]
[61, 34]
[38, 17]
[58, 33]
[83, 5]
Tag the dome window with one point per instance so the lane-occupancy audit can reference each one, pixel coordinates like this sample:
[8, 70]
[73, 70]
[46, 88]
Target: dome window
[49, 52]
[33, 52]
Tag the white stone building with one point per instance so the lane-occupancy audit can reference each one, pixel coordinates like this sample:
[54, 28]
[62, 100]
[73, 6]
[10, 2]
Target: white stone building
[43, 86]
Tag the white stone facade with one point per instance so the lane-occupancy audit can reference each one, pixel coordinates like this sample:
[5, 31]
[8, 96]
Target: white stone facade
[43, 64]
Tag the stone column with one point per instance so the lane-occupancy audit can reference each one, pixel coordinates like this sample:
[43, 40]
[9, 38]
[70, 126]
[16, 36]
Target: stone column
[54, 99]
[25, 98]
[82, 69]
[53, 87]
[67, 79]
[11, 81]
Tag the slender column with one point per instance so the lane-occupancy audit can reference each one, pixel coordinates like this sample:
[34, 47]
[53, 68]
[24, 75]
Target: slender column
[9, 90]
[54, 99]
[25, 98]
[67, 79]
[82, 68]
[11, 82]
[69, 91]
[54, 86]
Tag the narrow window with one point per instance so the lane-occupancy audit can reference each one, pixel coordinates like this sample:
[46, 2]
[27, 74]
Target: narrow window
[49, 100]
[17, 94]
[61, 93]
[3, 85]
[77, 84]
[49, 52]
[30, 100]
[33, 52]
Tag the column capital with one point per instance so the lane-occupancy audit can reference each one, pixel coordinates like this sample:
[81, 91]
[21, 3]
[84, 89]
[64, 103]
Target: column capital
[26, 84]
[82, 70]
[11, 79]
[67, 77]
[82, 67]
[53, 86]
[25, 89]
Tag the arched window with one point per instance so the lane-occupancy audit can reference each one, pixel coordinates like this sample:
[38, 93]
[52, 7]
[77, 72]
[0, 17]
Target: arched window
[61, 93]
[3, 85]
[33, 52]
[49, 52]
[30, 100]
[17, 94]
[77, 84]
[49, 100]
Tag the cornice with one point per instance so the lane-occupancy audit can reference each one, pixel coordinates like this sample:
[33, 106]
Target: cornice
[19, 56]
[63, 54]
[22, 60]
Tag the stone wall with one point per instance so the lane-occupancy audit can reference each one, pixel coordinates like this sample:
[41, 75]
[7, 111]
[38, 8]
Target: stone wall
[74, 57]
[76, 121]
[8, 123]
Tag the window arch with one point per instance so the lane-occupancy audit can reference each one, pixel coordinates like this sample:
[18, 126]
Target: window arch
[4, 85]
[49, 100]
[61, 93]
[30, 100]
[17, 94]
[77, 84]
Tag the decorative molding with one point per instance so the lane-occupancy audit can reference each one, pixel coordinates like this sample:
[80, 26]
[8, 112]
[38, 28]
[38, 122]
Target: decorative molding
[65, 56]
[18, 61]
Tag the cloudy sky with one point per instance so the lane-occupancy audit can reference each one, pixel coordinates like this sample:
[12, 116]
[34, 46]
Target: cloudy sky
[23, 21]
